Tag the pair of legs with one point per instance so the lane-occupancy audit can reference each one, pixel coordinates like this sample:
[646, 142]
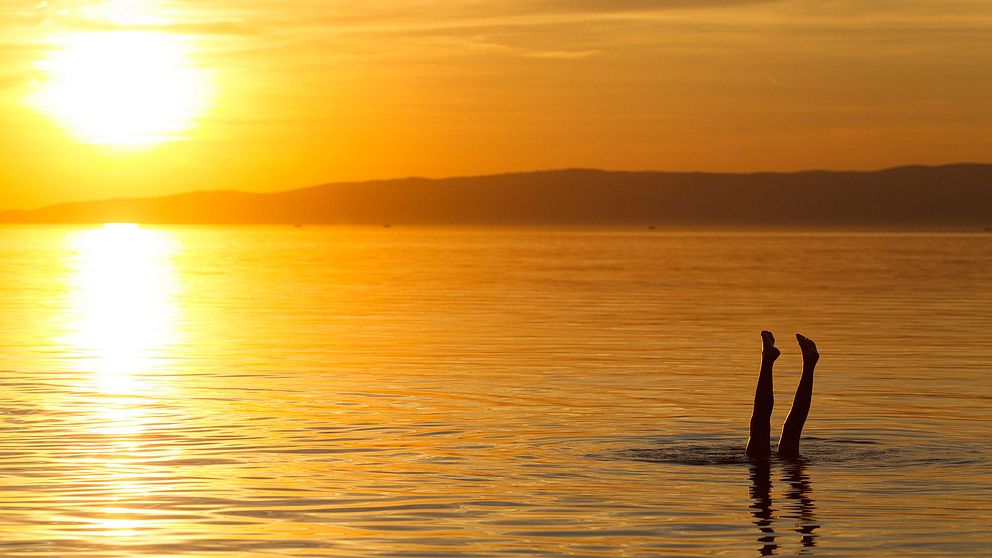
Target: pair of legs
[758, 445]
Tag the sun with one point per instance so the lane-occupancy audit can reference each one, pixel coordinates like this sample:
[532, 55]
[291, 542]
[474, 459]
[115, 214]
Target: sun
[122, 88]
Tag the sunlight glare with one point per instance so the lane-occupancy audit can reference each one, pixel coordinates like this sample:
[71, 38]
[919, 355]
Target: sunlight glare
[122, 303]
[126, 12]
[122, 88]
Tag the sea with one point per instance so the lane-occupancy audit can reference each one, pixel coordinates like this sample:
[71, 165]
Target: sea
[228, 391]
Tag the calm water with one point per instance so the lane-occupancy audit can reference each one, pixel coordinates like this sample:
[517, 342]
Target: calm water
[275, 391]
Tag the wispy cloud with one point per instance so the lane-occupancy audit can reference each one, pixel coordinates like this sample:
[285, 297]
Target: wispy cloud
[605, 6]
[219, 27]
[562, 54]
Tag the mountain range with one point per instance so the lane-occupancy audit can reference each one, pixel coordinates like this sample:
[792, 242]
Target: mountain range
[958, 195]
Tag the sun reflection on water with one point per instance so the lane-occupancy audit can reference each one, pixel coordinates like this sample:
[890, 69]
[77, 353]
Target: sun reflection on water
[120, 315]
[121, 304]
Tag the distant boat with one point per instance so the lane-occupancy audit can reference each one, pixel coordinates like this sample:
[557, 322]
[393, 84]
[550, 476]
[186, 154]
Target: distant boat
[387, 226]
[297, 225]
[651, 227]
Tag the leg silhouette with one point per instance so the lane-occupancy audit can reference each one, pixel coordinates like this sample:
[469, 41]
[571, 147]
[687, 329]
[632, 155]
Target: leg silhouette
[764, 399]
[788, 444]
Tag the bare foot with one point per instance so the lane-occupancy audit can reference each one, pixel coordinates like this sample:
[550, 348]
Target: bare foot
[768, 349]
[808, 348]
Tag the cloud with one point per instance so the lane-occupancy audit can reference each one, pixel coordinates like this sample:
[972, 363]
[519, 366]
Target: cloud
[426, 14]
[603, 6]
[562, 54]
[219, 27]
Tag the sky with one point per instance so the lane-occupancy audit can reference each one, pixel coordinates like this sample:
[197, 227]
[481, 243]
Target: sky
[111, 98]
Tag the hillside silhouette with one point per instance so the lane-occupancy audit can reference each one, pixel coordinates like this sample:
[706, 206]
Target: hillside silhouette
[913, 196]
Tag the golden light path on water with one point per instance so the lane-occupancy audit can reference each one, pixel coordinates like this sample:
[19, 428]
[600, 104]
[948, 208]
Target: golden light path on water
[121, 304]
[121, 319]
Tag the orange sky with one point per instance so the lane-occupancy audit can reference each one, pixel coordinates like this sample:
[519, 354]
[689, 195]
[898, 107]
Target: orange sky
[147, 97]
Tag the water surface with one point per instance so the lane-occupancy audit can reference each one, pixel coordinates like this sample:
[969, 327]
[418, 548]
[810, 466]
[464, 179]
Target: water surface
[324, 391]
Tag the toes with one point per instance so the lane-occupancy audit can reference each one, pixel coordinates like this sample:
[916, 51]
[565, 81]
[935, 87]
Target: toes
[805, 342]
[767, 338]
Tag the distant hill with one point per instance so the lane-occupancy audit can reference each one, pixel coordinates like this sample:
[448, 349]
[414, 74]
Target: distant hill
[913, 196]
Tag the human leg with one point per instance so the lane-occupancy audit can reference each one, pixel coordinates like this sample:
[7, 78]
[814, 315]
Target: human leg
[788, 444]
[764, 399]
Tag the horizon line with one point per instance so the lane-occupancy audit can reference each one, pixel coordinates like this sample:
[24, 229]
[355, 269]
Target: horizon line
[495, 174]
